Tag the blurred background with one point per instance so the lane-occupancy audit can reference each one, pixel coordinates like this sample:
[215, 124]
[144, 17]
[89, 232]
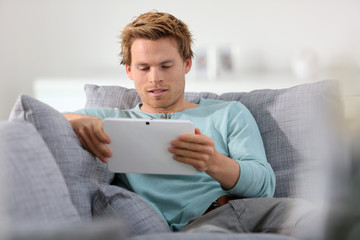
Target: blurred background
[50, 49]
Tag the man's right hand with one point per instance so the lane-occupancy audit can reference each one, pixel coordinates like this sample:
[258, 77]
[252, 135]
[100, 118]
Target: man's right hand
[91, 134]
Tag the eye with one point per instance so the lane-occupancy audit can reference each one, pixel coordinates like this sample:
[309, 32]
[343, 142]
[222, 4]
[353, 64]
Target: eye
[165, 66]
[143, 68]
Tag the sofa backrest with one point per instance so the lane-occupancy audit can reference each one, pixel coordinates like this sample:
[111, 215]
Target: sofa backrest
[293, 123]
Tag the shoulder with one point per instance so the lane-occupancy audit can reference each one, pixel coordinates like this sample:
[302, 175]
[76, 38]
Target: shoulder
[232, 109]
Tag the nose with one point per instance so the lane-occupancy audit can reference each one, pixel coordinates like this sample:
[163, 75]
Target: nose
[154, 76]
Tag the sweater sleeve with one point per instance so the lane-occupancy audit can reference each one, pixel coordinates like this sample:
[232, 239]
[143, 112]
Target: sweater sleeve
[245, 144]
[100, 112]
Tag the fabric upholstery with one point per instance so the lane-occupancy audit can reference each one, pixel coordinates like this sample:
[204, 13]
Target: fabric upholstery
[109, 229]
[212, 236]
[35, 190]
[285, 118]
[81, 170]
[118, 202]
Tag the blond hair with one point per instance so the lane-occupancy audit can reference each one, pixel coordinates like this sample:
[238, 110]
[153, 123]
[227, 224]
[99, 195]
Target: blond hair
[153, 26]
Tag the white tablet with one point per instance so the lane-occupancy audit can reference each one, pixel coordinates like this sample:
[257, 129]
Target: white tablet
[141, 145]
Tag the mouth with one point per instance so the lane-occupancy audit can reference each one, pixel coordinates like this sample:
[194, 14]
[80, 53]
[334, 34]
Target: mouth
[157, 92]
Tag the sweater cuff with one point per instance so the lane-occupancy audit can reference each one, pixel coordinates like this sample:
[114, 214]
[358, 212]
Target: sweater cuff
[246, 184]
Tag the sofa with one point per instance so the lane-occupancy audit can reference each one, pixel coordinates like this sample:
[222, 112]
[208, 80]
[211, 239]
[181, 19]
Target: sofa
[54, 189]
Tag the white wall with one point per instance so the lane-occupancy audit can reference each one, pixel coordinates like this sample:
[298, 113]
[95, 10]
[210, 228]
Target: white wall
[77, 39]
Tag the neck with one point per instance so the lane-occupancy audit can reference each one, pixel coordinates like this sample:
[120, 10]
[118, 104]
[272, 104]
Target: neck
[184, 106]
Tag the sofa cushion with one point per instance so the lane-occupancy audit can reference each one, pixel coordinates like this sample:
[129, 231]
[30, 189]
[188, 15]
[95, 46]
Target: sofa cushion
[285, 118]
[109, 229]
[82, 171]
[141, 218]
[213, 236]
[35, 190]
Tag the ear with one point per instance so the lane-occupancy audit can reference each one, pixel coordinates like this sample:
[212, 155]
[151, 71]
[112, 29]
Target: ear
[187, 65]
[128, 71]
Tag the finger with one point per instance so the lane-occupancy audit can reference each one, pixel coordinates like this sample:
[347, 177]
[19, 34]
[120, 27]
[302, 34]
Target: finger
[98, 143]
[187, 145]
[189, 154]
[197, 131]
[100, 133]
[195, 138]
[86, 142]
[196, 147]
[99, 149]
[83, 142]
[82, 136]
[198, 165]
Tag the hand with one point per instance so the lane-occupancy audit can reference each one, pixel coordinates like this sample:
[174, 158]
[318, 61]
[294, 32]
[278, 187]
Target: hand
[199, 151]
[90, 132]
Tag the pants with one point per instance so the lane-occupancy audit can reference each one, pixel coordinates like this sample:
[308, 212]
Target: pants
[266, 215]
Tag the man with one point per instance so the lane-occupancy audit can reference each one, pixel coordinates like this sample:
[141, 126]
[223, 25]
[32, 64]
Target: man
[226, 149]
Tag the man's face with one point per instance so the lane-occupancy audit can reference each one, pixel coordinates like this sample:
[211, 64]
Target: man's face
[158, 72]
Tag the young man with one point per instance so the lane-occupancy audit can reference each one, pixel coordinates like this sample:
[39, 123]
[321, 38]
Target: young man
[226, 149]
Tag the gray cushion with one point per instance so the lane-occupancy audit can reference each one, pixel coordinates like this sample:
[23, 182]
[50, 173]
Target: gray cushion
[118, 202]
[35, 191]
[284, 117]
[82, 171]
[109, 229]
[212, 236]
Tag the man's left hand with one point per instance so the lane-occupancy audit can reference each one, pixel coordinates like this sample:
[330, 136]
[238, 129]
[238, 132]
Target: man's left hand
[197, 150]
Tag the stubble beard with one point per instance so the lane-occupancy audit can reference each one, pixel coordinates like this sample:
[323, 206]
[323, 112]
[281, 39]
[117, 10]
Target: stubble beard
[163, 103]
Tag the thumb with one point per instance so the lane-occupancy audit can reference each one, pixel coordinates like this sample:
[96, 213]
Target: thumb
[197, 131]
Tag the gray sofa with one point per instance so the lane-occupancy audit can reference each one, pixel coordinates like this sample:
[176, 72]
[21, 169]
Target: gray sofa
[57, 190]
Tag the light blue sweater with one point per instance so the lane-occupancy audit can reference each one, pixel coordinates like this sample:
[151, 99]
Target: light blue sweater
[179, 198]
